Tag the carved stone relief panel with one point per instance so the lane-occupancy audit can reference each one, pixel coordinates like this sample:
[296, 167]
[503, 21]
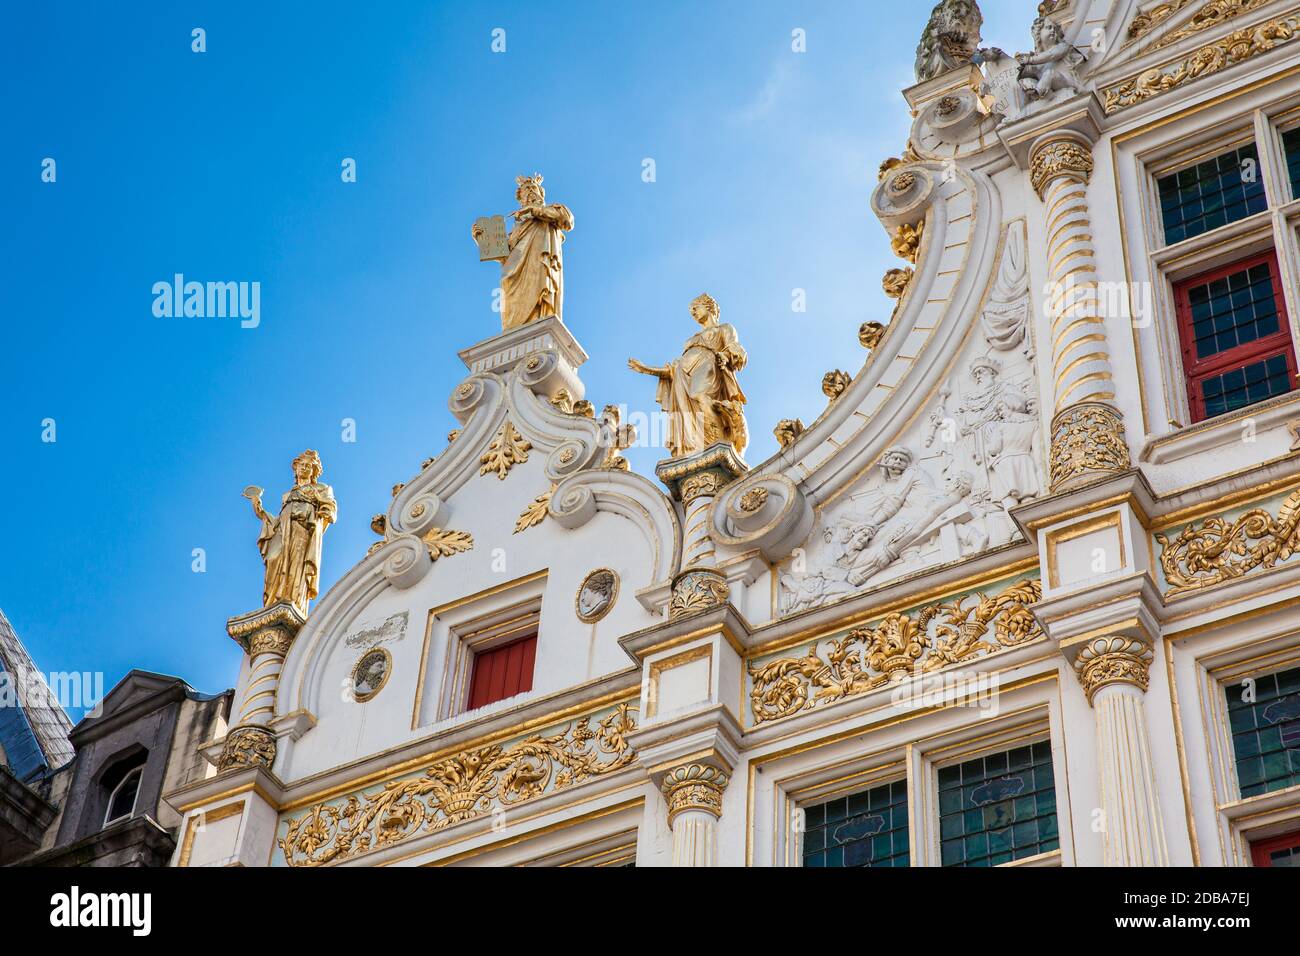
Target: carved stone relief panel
[944, 488]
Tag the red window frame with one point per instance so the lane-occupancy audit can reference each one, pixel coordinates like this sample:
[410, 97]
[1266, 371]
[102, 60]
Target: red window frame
[502, 671]
[1261, 851]
[1197, 370]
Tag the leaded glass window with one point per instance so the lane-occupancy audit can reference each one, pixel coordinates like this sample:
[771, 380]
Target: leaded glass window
[1265, 719]
[998, 808]
[1211, 194]
[1236, 342]
[863, 829]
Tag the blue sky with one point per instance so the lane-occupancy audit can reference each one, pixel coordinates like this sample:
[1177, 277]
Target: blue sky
[225, 165]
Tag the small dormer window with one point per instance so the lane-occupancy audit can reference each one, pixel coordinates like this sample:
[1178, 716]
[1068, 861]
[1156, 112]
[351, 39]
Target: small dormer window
[502, 671]
[122, 797]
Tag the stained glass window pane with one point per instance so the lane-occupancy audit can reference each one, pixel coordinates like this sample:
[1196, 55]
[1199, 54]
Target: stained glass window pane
[1264, 716]
[864, 829]
[998, 808]
[1211, 194]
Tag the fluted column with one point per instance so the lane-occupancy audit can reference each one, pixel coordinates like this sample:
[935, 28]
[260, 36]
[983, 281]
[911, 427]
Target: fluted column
[1114, 672]
[1087, 429]
[694, 796]
[266, 635]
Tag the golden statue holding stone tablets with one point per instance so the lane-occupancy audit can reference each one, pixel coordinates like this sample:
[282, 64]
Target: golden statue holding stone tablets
[531, 257]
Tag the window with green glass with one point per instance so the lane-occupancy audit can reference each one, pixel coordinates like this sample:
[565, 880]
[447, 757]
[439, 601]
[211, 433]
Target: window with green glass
[1211, 194]
[1291, 146]
[998, 808]
[1264, 714]
[864, 829]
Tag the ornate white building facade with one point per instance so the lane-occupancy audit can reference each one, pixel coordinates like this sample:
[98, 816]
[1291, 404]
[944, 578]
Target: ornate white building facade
[1024, 594]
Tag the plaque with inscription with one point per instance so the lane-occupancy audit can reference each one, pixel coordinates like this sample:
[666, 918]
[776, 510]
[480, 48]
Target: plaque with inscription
[490, 234]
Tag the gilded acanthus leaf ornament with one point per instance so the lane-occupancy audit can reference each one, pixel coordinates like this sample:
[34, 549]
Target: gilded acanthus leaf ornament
[1087, 442]
[247, 747]
[895, 282]
[615, 437]
[1221, 549]
[697, 589]
[787, 430]
[870, 334]
[459, 788]
[906, 241]
[1106, 661]
[835, 383]
[535, 513]
[1211, 14]
[931, 638]
[290, 542]
[1237, 47]
[694, 787]
[1057, 158]
[1147, 21]
[566, 403]
[699, 390]
[443, 544]
[508, 449]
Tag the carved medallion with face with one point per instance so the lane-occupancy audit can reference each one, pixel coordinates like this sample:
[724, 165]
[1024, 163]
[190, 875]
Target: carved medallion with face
[597, 595]
[371, 673]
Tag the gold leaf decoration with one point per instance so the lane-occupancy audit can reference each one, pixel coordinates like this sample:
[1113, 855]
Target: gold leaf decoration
[1228, 51]
[1144, 23]
[443, 544]
[470, 784]
[895, 647]
[508, 449]
[535, 513]
[1220, 549]
[1211, 14]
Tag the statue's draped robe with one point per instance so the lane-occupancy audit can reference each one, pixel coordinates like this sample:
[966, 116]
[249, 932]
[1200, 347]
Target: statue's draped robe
[532, 277]
[701, 395]
[291, 545]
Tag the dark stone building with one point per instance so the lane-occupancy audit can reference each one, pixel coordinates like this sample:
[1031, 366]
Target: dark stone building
[91, 795]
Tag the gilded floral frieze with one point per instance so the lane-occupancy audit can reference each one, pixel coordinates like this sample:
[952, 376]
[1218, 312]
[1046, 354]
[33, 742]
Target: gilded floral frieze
[474, 783]
[1229, 546]
[1236, 47]
[900, 644]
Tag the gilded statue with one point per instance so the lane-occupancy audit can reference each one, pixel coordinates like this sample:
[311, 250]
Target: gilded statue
[291, 542]
[531, 257]
[699, 390]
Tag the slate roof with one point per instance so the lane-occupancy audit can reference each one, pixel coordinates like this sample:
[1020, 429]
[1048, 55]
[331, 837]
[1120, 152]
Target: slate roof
[33, 734]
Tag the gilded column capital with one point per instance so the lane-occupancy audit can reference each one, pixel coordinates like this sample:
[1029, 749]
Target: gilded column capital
[694, 786]
[1113, 660]
[1087, 443]
[247, 747]
[268, 629]
[696, 589]
[1056, 156]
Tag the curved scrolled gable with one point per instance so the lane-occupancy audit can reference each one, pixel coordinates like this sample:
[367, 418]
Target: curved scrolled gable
[572, 447]
[956, 265]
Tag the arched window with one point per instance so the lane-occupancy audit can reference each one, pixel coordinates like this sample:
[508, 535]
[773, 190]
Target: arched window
[122, 794]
